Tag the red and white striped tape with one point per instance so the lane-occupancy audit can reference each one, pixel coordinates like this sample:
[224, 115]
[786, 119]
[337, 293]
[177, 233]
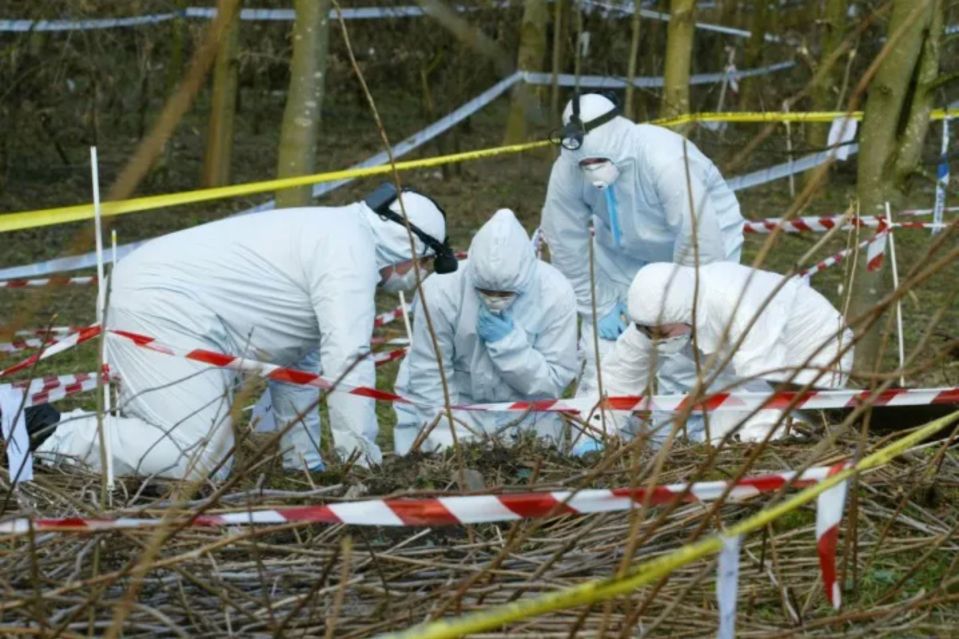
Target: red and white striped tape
[389, 316]
[829, 507]
[386, 357]
[447, 511]
[744, 401]
[68, 342]
[51, 388]
[810, 224]
[83, 280]
[23, 344]
[48, 332]
[875, 254]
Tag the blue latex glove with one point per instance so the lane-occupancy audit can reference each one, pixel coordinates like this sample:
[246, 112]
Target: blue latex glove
[586, 444]
[612, 325]
[491, 327]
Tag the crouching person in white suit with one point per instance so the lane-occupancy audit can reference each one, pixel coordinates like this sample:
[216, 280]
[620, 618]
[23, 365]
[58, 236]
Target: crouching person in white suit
[769, 330]
[293, 287]
[505, 325]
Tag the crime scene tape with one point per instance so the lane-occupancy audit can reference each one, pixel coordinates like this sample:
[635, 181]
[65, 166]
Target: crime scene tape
[811, 224]
[457, 510]
[63, 215]
[71, 340]
[539, 78]
[411, 143]
[810, 400]
[267, 15]
[55, 387]
[80, 212]
[875, 255]
[85, 280]
[24, 344]
[650, 571]
[743, 117]
[45, 332]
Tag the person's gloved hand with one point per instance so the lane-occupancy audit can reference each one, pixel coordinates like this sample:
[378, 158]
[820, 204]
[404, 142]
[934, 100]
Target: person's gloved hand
[612, 325]
[491, 327]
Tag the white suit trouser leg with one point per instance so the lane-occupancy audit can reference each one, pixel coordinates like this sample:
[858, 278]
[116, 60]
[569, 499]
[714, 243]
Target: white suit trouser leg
[175, 417]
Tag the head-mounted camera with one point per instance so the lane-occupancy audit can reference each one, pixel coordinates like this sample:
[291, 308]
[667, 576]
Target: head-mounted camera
[571, 135]
[380, 201]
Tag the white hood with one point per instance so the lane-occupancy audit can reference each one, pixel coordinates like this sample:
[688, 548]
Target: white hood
[501, 257]
[662, 293]
[392, 239]
[611, 140]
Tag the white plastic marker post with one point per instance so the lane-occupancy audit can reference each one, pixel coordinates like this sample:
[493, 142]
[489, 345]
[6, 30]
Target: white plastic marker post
[106, 464]
[895, 284]
[942, 178]
[406, 318]
[727, 586]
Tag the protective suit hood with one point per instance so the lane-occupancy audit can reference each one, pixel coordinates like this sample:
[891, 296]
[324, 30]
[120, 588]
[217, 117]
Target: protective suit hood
[609, 140]
[662, 293]
[392, 240]
[501, 257]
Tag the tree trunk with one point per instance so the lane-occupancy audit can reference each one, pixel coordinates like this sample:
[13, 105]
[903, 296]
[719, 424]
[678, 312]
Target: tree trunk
[628, 106]
[559, 31]
[753, 56]
[301, 116]
[894, 126]
[825, 90]
[679, 49]
[218, 155]
[532, 52]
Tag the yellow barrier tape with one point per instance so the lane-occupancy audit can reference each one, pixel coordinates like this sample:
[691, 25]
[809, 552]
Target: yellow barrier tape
[650, 571]
[79, 212]
[773, 116]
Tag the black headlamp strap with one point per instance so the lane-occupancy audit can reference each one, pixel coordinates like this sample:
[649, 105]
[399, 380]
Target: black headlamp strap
[380, 201]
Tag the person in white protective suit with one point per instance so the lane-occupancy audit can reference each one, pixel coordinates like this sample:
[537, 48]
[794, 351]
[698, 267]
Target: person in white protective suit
[292, 287]
[768, 329]
[505, 325]
[635, 183]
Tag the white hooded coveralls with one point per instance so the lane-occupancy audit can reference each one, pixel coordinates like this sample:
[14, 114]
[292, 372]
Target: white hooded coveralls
[536, 360]
[653, 202]
[775, 329]
[293, 287]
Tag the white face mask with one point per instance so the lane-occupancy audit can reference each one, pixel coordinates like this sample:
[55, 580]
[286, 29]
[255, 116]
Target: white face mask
[672, 345]
[496, 303]
[396, 282]
[601, 174]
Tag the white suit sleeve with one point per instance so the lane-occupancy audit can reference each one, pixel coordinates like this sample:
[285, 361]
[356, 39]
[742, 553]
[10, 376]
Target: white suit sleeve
[702, 223]
[424, 386]
[565, 226]
[626, 369]
[544, 368]
[343, 300]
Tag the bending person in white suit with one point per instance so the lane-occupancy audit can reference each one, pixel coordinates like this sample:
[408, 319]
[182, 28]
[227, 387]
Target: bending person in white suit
[651, 196]
[505, 324]
[771, 331]
[293, 287]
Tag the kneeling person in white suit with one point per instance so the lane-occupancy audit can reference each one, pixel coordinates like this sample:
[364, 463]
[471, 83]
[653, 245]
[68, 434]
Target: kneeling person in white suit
[505, 325]
[293, 287]
[771, 330]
